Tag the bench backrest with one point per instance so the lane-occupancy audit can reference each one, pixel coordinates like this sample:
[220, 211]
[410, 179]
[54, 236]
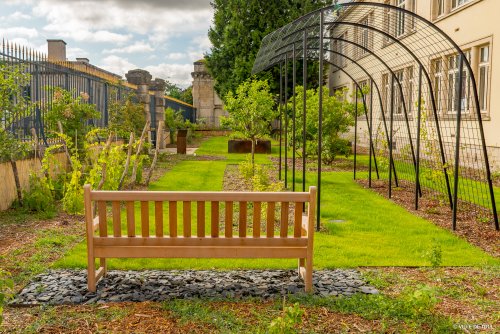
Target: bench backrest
[162, 201]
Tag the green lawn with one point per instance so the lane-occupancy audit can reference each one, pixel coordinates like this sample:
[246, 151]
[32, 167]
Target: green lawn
[375, 231]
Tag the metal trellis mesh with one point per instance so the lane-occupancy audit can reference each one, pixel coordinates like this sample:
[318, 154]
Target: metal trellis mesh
[422, 87]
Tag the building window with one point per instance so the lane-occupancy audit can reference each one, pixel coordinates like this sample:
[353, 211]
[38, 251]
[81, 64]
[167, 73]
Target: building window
[364, 36]
[385, 91]
[484, 72]
[458, 3]
[437, 70]
[453, 78]
[400, 19]
[440, 8]
[410, 87]
[398, 98]
[341, 48]
[387, 21]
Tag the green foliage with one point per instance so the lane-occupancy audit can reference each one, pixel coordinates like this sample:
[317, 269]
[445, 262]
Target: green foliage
[114, 159]
[73, 194]
[175, 121]
[338, 117]
[73, 113]
[286, 324]
[434, 254]
[251, 110]
[39, 198]
[237, 31]
[126, 116]
[187, 95]
[6, 286]
[13, 105]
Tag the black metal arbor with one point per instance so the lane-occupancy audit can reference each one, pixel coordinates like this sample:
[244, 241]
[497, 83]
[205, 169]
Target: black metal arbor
[422, 101]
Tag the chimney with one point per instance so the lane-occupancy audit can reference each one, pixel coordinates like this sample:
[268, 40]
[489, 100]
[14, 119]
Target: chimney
[57, 49]
[83, 60]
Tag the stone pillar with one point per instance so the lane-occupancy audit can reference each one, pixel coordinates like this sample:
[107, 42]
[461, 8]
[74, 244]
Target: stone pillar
[157, 86]
[142, 79]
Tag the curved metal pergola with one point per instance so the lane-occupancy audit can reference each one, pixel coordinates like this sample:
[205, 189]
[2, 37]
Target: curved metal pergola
[406, 60]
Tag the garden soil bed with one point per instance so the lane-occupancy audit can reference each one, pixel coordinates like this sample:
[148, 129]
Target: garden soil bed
[469, 226]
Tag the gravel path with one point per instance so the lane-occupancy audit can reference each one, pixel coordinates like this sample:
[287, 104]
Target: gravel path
[70, 286]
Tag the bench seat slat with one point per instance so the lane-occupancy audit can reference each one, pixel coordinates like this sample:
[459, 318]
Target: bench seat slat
[195, 241]
[200, 252]
[207, 196]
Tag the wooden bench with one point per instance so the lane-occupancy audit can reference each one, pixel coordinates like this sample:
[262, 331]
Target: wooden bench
[124, 241]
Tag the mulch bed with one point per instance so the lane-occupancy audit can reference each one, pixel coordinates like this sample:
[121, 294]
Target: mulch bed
[482, 235]
[338, 165]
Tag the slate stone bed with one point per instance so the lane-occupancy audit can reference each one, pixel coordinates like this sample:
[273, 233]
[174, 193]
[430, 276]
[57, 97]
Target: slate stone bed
[70, 286]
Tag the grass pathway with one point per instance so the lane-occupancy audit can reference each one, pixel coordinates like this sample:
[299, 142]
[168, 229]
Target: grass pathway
[375, 231]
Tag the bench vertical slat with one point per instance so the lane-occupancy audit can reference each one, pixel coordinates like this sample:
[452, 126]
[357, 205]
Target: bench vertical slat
[103, 221]
[215, 219]
[297, 222]
[130, 219]
[228, 220]
[159, 219]
[172, 218]
[271, 207]
[200, 217]
[284, 219]
[186, 212]
[117, 229]
[256, 219]
[243, 220]
[145, 219]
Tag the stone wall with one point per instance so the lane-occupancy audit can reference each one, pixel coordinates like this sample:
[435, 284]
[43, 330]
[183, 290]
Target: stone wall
[208, 104]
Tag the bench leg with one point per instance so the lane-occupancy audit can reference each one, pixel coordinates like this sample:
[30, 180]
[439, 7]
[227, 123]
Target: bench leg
[91, 279]
[102, 262]
[308, 274]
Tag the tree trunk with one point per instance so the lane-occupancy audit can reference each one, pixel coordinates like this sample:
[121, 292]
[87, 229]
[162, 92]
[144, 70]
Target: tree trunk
[139, 148]
[65, 146]
[157, 149]
[127, 163]
[16, 179]
[253, 156]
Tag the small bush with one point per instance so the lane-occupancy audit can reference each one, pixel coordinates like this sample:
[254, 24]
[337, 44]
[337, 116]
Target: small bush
[6, 286]
[39, 197]
[292, 316]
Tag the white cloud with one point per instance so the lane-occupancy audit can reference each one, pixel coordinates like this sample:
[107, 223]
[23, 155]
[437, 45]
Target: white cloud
[16, 16]
[73, 19]
[18, 32]
[72, 53]
[117, 65]
[137, 47]
[176, 56]
[202, 42]
[176, 73]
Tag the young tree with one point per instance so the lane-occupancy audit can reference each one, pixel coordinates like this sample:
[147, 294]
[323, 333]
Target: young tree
[13, 104]
[126, 116]
[338, 117]
[251, 110]
[237, 31]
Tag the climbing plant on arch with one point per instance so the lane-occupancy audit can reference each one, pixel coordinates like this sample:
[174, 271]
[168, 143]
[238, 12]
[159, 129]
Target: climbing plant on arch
[421, 109]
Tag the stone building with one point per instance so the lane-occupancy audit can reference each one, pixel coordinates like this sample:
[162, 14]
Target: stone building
[208, 104]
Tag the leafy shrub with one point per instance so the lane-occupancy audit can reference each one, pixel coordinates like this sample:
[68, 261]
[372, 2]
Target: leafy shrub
[39, 198]
[73, 194]
[292, 316]
[6, 286]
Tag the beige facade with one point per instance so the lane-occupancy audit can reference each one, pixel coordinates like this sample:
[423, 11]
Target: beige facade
[208, 104]
[470, 23]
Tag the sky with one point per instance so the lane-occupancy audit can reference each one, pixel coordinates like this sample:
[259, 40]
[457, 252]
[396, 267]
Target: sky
[163, 37]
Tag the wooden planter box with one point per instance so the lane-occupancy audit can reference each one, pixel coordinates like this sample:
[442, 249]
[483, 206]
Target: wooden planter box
[245, 146]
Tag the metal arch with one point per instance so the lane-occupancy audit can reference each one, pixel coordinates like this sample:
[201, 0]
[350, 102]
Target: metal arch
[400, 91]
[444, 38]
[431, 91]
[364, 101]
